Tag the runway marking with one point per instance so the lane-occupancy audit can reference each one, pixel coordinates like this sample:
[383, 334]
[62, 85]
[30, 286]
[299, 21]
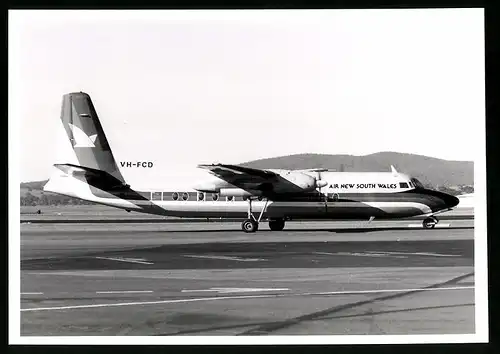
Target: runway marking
[228, 258]
[317, 315]
[74, 307]
[418, 253]
[128, 260]
[360, 254]
[147, 302]
[31, 293]
[124, 292]
[234, 290]
[391, 290]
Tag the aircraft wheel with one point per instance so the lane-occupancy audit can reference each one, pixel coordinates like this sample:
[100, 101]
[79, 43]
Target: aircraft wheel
[277, 224]
[429, 223]
[249, 225]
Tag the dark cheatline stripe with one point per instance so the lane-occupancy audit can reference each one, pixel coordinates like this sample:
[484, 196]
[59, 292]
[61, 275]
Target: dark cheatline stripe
[408, 197]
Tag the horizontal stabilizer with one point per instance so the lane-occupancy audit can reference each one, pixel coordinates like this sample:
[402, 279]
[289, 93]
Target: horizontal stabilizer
[92, 176]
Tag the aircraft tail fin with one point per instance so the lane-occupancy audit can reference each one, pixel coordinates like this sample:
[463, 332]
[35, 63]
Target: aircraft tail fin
[86, 135]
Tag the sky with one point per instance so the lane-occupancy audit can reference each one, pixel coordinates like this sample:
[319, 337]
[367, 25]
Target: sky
[180, 88]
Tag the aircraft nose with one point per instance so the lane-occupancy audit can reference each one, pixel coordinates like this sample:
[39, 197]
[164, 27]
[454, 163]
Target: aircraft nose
[450, 200]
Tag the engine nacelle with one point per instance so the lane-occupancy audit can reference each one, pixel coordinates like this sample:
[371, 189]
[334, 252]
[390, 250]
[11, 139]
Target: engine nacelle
[304, 182]
[237, 192]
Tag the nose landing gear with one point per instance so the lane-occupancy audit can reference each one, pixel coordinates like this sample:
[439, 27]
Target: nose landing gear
[430, 222]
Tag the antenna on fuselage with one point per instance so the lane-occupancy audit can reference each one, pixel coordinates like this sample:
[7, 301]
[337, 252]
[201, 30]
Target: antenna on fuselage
[393, 170]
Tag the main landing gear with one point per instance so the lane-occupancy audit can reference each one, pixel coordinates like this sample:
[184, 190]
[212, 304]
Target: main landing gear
[249, 225]
[430, 222]
[276, 224]
[252, 224]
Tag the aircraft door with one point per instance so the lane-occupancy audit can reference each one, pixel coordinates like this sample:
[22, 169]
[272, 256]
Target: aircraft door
[332, 197]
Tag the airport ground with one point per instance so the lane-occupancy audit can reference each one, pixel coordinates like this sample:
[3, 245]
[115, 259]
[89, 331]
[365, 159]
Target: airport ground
[387, 277]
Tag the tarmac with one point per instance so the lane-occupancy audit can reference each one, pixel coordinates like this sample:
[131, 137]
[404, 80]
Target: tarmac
[320, 278]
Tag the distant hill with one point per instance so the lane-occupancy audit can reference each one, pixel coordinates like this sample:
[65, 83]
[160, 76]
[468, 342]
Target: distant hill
[36, 185]
[32, 194]
[428, 170]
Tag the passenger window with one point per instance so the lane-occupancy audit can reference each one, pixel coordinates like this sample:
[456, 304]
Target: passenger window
[175, 196]
[403, 185]
[185, 196]
[201, 196]
[156, 196]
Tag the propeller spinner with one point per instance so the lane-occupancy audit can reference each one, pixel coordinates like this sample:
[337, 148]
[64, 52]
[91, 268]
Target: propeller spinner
[319, 182]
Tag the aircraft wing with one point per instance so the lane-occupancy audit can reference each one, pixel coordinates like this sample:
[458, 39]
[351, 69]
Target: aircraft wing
[232, 173]
[268, 182]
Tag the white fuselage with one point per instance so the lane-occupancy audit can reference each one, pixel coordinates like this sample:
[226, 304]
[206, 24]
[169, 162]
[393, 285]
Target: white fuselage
[348, 195]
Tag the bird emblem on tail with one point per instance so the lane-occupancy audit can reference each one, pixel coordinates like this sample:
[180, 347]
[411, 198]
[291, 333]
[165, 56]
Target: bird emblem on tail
[80, 139]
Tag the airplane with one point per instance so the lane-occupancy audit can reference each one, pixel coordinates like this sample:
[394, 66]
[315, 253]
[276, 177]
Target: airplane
[276, 195]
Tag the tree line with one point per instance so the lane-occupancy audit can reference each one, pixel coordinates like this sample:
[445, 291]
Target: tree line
[456, 191]
[51, 199]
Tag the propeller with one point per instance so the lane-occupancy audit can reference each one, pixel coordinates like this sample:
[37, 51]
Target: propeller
[319, 182]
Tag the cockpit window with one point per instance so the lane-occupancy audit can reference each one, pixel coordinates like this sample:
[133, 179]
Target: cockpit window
[411, 184]
[417, 183]
[403, 185]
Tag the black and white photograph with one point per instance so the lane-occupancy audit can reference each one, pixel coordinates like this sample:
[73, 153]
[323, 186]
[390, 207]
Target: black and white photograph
[247, 176]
